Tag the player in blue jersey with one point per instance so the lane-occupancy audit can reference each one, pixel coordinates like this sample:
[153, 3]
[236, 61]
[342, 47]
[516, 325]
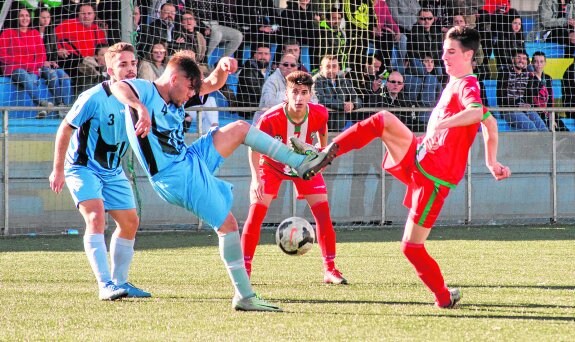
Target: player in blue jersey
[90, 144]
[184, 175]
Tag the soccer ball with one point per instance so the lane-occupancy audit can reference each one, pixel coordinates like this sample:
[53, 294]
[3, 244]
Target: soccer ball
[295, 236]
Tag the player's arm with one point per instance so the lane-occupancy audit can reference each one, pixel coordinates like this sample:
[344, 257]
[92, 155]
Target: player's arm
[256, 187]
[491, 141]
[63, 137]
[469, 116]
[125, 94]
[218, 77]
[323, 137]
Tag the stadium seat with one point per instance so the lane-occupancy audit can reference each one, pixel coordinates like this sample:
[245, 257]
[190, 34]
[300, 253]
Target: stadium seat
[491, 92]
[304, 57]
[11, 96]
[570, 123]
[232, 83]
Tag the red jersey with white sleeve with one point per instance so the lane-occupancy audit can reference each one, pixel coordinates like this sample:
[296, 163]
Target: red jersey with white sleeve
[449, 160]
[277, 124]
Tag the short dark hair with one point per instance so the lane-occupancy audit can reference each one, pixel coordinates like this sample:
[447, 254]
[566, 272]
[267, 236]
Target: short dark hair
[299, 78]
[538, 53]
[468, 37]
[185, 61]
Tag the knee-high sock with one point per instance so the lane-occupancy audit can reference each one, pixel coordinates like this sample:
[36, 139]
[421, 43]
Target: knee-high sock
[325, 233]
[251, 231]
[360, 134]
[121, 255]
[95, 248]
[231, 254]
[263, 143]
[427, 270]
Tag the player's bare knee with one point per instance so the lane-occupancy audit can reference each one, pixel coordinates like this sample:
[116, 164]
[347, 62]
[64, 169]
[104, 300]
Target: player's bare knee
[95, 222]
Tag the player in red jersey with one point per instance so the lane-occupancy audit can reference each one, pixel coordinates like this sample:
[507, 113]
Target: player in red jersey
[294, 118]
[433, 164]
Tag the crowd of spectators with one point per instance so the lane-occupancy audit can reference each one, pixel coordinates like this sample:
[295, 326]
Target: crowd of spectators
[362, 53]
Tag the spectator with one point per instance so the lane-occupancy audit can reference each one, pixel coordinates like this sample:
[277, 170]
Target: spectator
[155, 63]
[512, 92]
[568, 89]
[359, 23]
[425, 39]
[218, 17]
[194, 39]
[336, 93]
[386, 31]
[540, 90]
[155, 9]
[164, 29]
[274, 88]
[93, 69]
[332, 37]
[512, 39]
[209, 118]
[136, 16]
[59, 82]
[494, 18]
[300, 21]
[405, 14]
[423, 86]
[109, 13]
[556, 18]
[441, 11]
[391, 95]
[259, 21]
[77, 38]
[252, 76]
[22, 55]
[290, 46]
[373, 80]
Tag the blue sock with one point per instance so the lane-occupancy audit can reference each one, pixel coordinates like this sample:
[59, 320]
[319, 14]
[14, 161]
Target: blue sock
[232, 256]
[121, 255]
[263, 143]
[95, 248]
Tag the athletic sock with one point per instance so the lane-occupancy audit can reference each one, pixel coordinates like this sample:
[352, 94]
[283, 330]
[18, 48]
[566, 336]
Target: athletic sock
[360, 134]
[428, 271]
[95, 248]
[263, 143]
[231, 254]
[122, 253]
[251, 232]
[325, 233]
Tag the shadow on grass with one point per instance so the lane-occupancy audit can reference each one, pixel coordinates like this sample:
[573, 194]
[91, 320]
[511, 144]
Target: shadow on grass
[205, 238]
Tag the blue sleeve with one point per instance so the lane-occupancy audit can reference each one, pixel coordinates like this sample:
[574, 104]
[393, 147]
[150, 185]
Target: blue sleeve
[85, 108]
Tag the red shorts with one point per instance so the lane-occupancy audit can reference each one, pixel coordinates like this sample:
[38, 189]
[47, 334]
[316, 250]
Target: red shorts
[273, 179]
[424, 197]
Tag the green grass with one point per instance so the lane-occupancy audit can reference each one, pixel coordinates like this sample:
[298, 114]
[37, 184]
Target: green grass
[518, 284]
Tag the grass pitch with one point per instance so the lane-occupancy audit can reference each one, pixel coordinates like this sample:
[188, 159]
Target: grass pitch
[518, 284]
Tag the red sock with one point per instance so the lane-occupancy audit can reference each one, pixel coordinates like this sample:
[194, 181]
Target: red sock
[360, 134]
[325, 233]
[427, 270]
[251, 231]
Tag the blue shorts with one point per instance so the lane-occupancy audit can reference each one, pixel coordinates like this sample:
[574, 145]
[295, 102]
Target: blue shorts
[191, 183]
[86, 184]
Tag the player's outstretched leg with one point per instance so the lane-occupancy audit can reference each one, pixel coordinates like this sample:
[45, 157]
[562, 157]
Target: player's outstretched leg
[361, 133]
[306, 165]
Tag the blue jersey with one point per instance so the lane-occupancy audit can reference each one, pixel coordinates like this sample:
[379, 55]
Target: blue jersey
[100, 140]
[165, 144]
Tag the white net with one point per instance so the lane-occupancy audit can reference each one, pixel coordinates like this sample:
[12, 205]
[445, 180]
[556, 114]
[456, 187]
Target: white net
[388, 53]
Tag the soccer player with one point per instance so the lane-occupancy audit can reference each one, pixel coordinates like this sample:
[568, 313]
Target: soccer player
[184, 175]
[296, 117]
[90, 144]
[433, 164]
